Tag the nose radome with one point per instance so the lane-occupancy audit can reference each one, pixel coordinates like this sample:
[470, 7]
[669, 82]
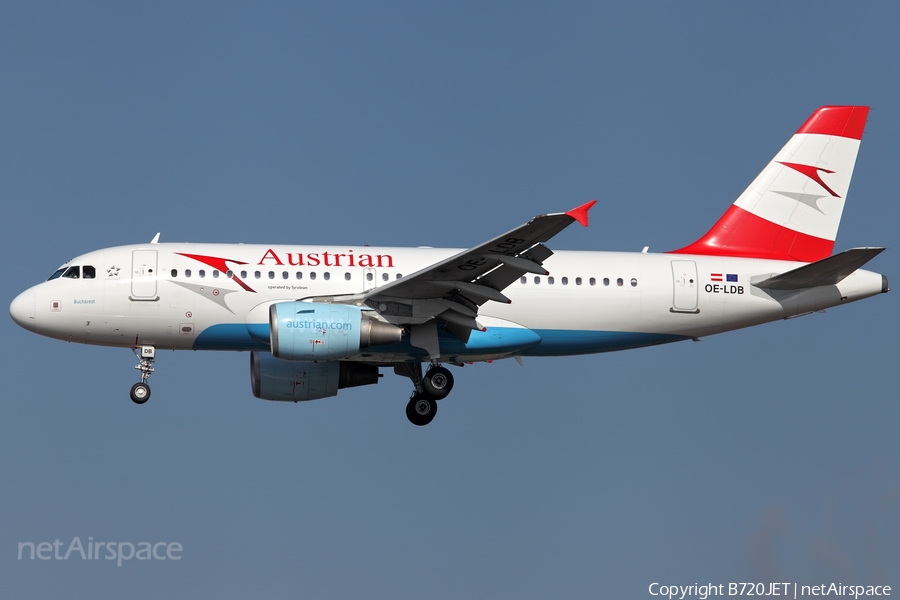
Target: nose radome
[22, 309]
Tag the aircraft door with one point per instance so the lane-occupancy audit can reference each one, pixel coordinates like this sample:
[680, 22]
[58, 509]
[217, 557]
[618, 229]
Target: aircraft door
[143, 275]
[370, 278]
[684, 278]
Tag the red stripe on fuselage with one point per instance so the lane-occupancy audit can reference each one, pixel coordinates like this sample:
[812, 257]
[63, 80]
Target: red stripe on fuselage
[745, 235]
[845, 121]
[219, 264]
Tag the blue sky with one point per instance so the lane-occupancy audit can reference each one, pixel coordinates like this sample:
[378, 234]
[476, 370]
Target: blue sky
[765, 454]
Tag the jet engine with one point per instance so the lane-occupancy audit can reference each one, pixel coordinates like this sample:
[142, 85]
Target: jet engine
[292, 381]
[317, 331]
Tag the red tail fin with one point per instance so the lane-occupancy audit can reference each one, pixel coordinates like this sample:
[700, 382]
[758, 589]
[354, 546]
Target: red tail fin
[793, 208]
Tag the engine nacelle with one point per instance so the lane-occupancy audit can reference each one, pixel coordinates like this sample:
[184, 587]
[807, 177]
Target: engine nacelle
[318, 331]
[292, 381]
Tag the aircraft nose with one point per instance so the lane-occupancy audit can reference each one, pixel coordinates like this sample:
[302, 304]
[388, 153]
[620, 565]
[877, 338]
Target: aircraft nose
[22, 309]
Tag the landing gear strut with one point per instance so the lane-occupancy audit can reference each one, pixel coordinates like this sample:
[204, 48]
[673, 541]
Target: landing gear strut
[428, 389]
[140, 392]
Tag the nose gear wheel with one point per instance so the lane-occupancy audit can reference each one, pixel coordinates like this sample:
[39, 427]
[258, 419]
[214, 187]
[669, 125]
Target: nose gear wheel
[140, 393]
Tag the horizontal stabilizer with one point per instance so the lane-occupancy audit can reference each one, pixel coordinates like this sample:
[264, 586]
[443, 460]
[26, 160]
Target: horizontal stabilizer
[828, 271]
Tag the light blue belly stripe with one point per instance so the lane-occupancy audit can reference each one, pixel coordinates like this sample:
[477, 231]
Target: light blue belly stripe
[233, 336]
[499, 340]
[561, 342]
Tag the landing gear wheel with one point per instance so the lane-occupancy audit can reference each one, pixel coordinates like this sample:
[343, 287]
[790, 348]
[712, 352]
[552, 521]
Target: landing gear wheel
[421, 410]
[140, 393]
[438, 382]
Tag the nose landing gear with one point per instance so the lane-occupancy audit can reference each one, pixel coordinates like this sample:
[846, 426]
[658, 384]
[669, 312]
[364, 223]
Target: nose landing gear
[140, 392]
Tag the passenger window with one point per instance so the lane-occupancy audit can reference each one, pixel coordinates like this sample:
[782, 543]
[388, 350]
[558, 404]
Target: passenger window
[347, 276]
[243, 274]
[174, 273]
[633, 282]
[523, 279]
[201, 273]
[56, 274]
[606, 281]
[565, 281]
[592, 281]
[187, 273]
[326, 275]
[312, 275]
[284, 274]
[229, 274]
[384, 276]
[271, 274]
[72, 273]
[619, 282]
[88, 272]
[215, 274]
[299, 275]
[578, 281]
[537, 280]
[257, 274]
[550, 280]
[399, 275]
[369, 277]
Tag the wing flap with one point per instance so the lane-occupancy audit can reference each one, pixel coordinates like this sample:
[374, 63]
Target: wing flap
[522, 264]
[461, 320]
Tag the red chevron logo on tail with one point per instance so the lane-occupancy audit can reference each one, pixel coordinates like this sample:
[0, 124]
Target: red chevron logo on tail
[812, 173]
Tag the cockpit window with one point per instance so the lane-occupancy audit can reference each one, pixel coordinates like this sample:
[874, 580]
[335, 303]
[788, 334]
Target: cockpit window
[72, 273]
[58, 273]
[88, 272]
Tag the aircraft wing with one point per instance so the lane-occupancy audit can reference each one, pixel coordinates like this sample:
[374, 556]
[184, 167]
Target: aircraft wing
[454, 288]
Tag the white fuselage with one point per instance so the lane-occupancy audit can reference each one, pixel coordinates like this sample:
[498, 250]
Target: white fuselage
[153, 294]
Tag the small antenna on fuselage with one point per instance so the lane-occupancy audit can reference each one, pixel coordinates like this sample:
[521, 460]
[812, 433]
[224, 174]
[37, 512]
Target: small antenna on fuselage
[155, 239]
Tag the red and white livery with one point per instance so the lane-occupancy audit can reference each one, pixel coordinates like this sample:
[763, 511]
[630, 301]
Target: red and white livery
[316, 319]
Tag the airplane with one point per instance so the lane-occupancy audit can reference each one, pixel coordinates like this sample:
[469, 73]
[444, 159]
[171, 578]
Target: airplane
[317, 319]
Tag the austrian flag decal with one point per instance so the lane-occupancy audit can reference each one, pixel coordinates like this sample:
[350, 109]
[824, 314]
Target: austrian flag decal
[718, 277]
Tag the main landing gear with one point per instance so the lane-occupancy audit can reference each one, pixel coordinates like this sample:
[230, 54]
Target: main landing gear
[433, 386]
[438, 382]
[140, 392]
[421, 409]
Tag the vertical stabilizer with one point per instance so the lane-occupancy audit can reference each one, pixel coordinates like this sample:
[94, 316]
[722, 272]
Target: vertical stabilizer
[793, 208]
